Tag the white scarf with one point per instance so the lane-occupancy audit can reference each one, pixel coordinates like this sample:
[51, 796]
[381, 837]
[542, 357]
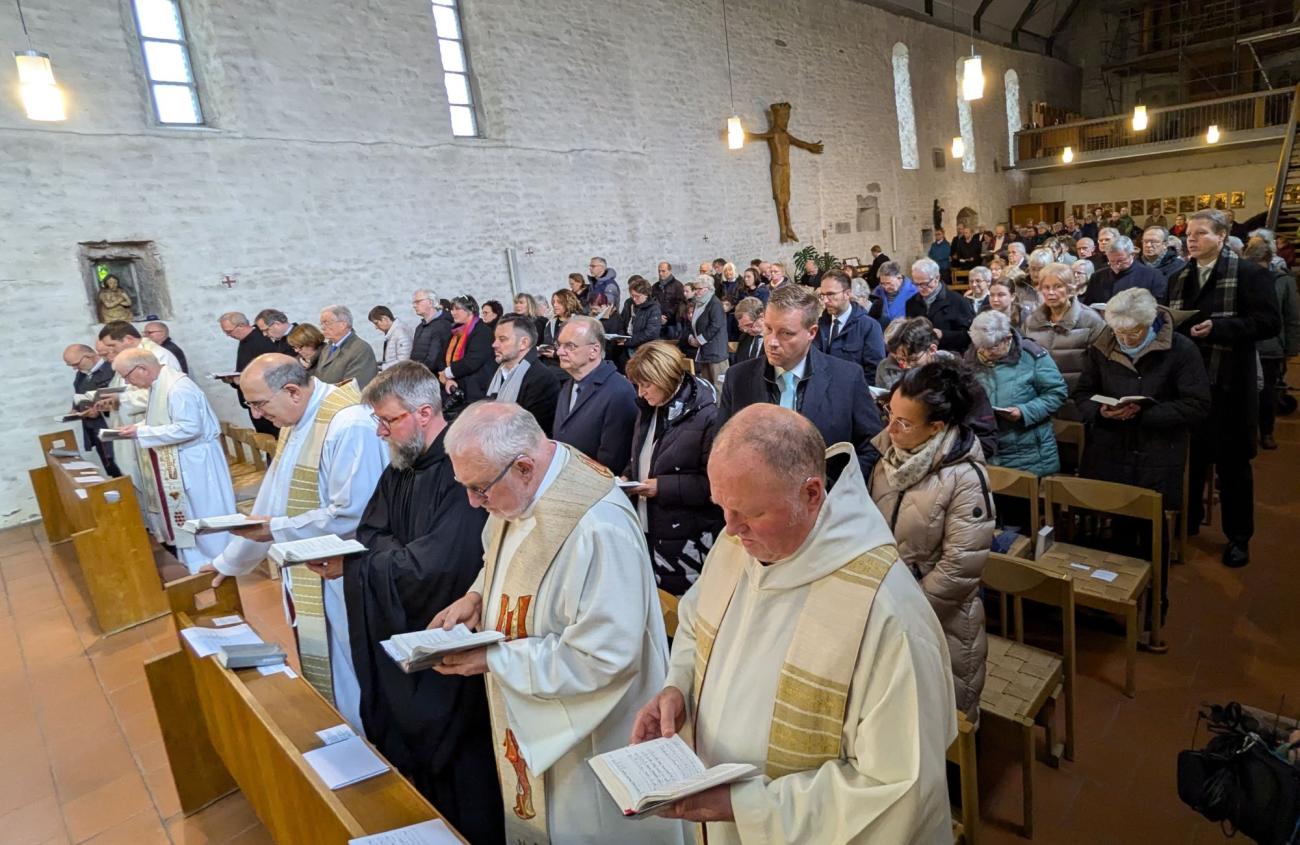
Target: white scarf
[505, 384]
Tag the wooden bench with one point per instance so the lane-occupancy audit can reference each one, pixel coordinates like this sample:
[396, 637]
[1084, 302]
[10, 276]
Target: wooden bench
[123, 568]
[248, 453]
[225, 730]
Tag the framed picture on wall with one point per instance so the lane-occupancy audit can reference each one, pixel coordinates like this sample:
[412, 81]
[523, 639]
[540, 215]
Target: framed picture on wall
[1187, 204]
[1203, 201]
[1136, 207]
[1107, 207]
[1153, 207]
[1078, 212]
[1237, 199]
[1170, 205]
[1221, 201]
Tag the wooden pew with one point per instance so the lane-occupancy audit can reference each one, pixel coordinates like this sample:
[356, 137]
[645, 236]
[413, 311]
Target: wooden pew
[122, 567]
[225, 730]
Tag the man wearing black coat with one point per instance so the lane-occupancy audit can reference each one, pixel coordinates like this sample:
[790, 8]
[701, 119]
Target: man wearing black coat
[520, 376]
[597, 406]
[948, 311]
[252, 343]
[966, 248]
[432, 333]
[1157, 254]
[845, 330]
[671, 295]
[1235, 305]
[749, 320]
[1123, 271]
[832, 394]
[872, 275]
[91, 372]
[423, 551]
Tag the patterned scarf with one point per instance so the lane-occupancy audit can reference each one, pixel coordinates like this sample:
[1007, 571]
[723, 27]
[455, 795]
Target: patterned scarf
[1218, 364]
[459, 337]
[905, 467]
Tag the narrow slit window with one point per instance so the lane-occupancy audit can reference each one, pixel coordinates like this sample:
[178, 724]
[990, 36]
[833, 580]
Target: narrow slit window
[456, 77]
[965, 126]
[1012, 81]
[903, 106]
[166, 52]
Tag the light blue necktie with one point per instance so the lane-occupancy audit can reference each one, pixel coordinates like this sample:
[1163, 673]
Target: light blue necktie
[787, 390]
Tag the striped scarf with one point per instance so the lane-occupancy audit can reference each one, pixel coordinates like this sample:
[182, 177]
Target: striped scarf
[459, 337]
[1218, 364]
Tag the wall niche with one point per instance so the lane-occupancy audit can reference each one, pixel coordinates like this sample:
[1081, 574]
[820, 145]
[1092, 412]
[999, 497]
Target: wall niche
[124, 281]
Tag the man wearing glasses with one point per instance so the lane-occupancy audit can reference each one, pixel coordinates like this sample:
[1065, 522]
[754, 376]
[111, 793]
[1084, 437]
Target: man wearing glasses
[845, 330]
[252, 343]
[158, 332]
[433, 333]
[91, 373]
[567, 578]
[596, 411]
[947, 310]
[346, 356]
[325, 470]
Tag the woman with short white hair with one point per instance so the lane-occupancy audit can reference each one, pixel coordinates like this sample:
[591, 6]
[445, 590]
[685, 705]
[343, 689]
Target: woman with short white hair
[1062, 325]
[1025, 388]
[977, 287]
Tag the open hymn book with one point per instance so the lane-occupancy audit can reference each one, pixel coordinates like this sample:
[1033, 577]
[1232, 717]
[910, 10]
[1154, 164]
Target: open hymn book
[1123, 400]
[313, 548]
[420, 650]
[642, 778]
[209, 524]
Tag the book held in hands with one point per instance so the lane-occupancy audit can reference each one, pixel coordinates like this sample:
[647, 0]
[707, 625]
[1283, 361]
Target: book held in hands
[642, 778]
[420, 650]
[1123, 400]
[210, 524]
[313, 548]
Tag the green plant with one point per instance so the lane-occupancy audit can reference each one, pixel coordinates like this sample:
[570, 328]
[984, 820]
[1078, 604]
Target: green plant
[825, 261]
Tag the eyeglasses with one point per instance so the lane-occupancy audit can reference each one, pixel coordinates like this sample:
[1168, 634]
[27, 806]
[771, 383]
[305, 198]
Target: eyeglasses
[574, 347]
[483, 492]
[900, 424]
[126, 375]
[388, 424]
[261, 403]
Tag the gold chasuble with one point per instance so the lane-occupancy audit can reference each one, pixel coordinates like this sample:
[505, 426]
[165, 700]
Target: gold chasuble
[304, 585]
[578, 486]
[813, 690]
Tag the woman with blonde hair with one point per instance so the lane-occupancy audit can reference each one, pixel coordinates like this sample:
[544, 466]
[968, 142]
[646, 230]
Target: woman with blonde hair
[675, 426]
[306, 341]
[565, 305]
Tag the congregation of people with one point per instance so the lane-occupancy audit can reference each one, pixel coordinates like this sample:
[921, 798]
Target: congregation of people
[797, 455]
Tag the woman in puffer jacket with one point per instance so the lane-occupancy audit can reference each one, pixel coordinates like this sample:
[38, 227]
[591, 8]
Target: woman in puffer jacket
[931, 486]
[1063, 326]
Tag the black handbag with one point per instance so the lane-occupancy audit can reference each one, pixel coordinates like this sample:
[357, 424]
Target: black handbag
[1238, 780]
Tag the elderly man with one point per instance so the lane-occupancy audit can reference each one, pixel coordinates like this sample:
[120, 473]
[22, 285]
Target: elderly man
[252, 343]
[778, 277]
[671, 295]
[1157, 254]
[808, 650]
[794, 374]
[1084, 248]
[601, 281]
[1105, 237]
[1016, 257]
[128, 407]
[845, 329]
[947, 310]
[1235, 306]
[92, 372]
[345, 356]
[567, 579]
[749, 319]
[596, 409]
[424, 549]
[182, 464]
[275, 326]
[966, 248]
[1122, 272]
[520, 377]
[159, 333]
[326, 466]
[432, 333]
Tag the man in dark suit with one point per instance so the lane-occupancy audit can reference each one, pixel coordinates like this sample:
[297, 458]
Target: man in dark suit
[1235, 305]
[749, 319]
[520, 376]
[671, 294]
[794, 374]
[966, 248]
[845, 330]
[159, 333]
[596, 411]
[91, 373]
[432, 333]
[252, 343]
[948, 311]
[1121, 272]
[346, 356]
[872, 275]
[275, 324]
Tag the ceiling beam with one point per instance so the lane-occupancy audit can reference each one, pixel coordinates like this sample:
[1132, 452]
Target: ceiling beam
[1020, 22]
[979, 13]
[1060, 25]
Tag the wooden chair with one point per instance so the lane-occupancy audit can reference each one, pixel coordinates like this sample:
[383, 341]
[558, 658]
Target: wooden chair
[1176, 521]
[247, 472]
[1073, 434]
[1017, 484]
[668, 606]
[1123, 594]
[966, 818]
[228, 442]
[1024, 684]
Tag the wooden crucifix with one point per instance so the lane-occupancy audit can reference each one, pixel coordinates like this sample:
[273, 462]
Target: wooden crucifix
[778, 145]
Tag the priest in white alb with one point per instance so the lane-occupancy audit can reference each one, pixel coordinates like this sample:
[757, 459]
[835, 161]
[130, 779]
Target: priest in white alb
[807, 649]
[566, 577]
[327, 463]
[178, 455]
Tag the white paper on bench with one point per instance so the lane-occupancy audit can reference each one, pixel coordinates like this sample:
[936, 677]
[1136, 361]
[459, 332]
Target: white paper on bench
[432, 832]
[345, 763]
[338, 733]
[207, 641]
[81, 494]
[223, 621]
[79, 465]
[277, 669]
[88, 479]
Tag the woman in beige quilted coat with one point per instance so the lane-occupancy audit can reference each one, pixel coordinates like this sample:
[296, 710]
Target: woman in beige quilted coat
[1064, 326]
[931, 487]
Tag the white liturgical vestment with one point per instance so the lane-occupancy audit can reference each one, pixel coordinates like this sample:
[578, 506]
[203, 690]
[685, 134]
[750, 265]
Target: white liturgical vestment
[596, 653]
[131, 408]
[889, 785]
[352, 459]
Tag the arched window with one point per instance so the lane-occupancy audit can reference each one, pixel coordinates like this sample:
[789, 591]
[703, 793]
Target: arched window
[903, 105]
[1012, 83]
[965, 126]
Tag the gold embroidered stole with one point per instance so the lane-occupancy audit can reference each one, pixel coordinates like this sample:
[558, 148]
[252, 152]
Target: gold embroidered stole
[813, 691]
[305, 587]
[580, 485]
[160, 466]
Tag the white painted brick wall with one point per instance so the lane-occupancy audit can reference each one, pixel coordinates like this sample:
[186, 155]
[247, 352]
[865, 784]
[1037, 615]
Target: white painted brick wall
[331, 175]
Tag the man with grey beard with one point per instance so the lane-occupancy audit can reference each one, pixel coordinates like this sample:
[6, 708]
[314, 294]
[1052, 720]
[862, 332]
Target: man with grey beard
[424, 550]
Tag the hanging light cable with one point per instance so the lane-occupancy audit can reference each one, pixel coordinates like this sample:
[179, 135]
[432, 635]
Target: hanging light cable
[735, 132]
[42, 99]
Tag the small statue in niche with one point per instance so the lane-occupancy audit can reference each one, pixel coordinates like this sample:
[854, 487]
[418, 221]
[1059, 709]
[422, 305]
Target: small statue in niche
[779, 141]
[114, 303]
[938, 215]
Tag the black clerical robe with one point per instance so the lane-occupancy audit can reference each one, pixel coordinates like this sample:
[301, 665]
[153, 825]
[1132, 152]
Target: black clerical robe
[425, 548]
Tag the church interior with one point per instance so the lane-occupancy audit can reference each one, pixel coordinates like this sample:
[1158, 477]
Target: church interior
[996, 298]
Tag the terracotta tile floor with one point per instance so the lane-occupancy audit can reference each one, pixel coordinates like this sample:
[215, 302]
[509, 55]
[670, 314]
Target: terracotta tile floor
[81, 758]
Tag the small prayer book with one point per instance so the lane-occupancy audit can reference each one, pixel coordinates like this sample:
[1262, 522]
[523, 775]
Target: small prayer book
[209, 524]
[65, 453]
[312, 548]
[1123, 400]
[68, 417]
[420, 650]
[247, 656]
[617, 336]
[642, 778]
[344, 763]
[112, 434]
[220, 376]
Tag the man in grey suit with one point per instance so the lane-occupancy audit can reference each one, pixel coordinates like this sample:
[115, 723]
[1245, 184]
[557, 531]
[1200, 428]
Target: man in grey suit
[346, 356]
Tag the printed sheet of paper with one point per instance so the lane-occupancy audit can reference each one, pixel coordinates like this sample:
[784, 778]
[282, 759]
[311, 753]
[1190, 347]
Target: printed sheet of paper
[88, 479]
[344, 763]
[223, 621]
[432, 832]
[338, 733]
[75, 465]
[1104, 575]
[208, 641]
[277, 669]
